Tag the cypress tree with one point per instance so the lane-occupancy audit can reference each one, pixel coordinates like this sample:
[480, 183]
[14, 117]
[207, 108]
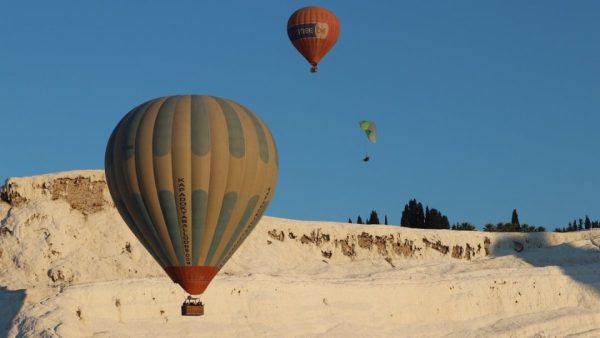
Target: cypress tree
[420, 221]
[404, 219]
[373, 218]
[435, 220]
[432, 219]
[413, 216]
[515, 218]
[445, 223]
[588, 223]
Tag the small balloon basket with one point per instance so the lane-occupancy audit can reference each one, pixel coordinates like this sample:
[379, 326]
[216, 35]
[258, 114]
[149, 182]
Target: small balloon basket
[192, 307]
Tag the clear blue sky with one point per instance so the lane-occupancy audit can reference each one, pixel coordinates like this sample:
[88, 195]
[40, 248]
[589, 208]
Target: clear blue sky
[481, 106]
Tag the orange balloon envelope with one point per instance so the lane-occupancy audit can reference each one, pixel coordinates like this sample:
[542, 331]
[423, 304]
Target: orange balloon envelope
[313, 31]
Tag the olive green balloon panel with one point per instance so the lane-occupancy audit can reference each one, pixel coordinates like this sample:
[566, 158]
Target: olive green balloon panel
[370, 130]
[191, 176]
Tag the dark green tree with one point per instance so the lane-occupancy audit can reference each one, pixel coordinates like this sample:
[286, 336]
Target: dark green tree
[464, 226]
[515, 218]
[579, 224]
[489, 227]
[588, 223]
[435, 220]
[373, 218]
[505, 227]
[359, 220]
[445, 222]
[527, 228]
[413, 215]
[385, 220]
[349, 220]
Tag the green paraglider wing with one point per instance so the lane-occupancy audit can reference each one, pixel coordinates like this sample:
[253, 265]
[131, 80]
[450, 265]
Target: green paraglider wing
[369, 128]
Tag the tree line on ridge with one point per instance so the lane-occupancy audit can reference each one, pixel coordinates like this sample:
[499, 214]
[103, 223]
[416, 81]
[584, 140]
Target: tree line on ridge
[414, 216]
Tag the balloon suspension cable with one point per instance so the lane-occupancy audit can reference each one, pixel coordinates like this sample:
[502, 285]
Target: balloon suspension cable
[192, 307]
[314, 69]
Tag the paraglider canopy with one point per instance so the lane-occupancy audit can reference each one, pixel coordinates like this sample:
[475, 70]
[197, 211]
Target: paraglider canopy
[370, 130]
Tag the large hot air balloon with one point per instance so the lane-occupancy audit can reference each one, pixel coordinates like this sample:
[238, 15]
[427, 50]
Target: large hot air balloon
[191, 176]
[371, 131]
[313, 31]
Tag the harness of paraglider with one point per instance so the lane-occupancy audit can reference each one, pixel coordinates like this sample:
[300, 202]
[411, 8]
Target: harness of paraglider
[192, 307]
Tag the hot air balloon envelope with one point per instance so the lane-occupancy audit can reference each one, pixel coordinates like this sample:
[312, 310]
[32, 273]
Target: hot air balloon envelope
[191, 176]
[313, 31]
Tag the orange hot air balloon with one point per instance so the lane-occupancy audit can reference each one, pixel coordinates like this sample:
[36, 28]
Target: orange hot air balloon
[313, 31]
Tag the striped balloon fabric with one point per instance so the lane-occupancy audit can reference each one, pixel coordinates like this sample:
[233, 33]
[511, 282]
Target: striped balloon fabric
[191, 176]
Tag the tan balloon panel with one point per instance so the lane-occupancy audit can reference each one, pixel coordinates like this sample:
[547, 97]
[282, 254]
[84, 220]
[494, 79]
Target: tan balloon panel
[191, 176]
